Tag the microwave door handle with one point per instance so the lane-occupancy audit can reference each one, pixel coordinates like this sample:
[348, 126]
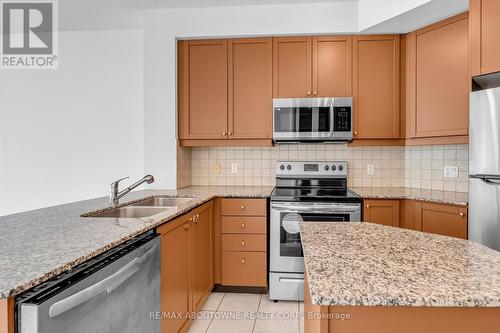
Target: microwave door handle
[108, 284]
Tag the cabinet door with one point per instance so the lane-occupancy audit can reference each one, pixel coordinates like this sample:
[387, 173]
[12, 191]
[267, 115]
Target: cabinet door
[250, 88]
[292, 67]
[484, 32]
[376, 87]
[442, 100]
[175, 295]
[385, 212]
[203, 89]
[332, 66]
[444, 220]
[201, 255]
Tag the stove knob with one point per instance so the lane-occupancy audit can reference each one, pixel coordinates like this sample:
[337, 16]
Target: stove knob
[341, 168]
[289, 167]
[282, 167]
[326, 168]
[334, 168]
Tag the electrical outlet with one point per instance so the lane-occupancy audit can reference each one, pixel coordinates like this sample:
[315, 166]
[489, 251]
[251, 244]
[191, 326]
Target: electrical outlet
[370, 169]
[234, 167]
[450, 172]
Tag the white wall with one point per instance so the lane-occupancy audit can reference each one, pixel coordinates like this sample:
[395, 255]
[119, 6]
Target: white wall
[163, 26]
[66, 134]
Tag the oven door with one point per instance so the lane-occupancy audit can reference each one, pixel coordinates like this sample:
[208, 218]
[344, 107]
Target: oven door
[285, 247]
[302, 119]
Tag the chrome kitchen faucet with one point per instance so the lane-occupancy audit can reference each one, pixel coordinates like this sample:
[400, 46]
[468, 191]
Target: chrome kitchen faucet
[115, 195]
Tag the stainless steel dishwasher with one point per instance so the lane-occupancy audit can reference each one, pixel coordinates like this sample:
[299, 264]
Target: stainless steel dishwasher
[116, 292]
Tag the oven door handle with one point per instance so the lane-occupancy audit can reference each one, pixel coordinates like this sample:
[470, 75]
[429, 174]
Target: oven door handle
[316, 209]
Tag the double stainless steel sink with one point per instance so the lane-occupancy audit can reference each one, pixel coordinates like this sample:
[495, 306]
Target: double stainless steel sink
[144, 208]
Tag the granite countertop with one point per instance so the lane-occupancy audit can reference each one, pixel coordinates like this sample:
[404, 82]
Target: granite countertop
[40, 244]
[364, 264]
[446, 197]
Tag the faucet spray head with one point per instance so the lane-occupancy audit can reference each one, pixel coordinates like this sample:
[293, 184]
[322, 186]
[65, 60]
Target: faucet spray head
[149, 179]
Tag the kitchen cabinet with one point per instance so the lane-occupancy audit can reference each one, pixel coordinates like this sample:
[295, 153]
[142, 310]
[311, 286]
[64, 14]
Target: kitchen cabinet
[385, 212]
[438, 81]
[202, 89]
[312, 66]
[443, 220]
[186, 265]
[225, 92]
[243, 239]
[376, 87]
[484, 32]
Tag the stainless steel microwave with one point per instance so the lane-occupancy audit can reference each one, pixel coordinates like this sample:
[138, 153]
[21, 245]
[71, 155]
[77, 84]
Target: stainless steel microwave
[312, 119]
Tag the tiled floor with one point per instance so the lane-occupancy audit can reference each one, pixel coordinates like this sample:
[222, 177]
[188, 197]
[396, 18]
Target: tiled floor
[248, 313]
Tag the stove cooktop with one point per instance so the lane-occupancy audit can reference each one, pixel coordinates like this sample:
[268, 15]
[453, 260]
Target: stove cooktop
[314, 194]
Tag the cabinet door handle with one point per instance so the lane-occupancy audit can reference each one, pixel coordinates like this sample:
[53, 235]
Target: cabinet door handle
[186, 226]
[367, 206]
[243, 261]
[308, 93]
[243, 244]
[355, 133]
[461, 214]
[242, 207]
[315, 93]
[243, 226]
[223, 133]
[230, 133]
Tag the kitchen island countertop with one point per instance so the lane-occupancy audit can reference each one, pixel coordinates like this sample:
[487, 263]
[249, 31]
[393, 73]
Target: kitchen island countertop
[364, 264]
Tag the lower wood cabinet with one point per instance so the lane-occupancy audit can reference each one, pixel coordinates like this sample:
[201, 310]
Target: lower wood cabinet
[243, 237]
[186, 266]
[442, 219]
[384, 212]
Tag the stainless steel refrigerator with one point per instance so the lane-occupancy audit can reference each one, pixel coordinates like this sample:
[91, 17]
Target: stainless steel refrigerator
[484, 166]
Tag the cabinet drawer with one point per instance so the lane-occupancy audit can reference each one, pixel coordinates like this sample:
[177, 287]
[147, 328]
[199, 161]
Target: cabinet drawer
[252, 207]
[243, 242]
[243, 225]
[244, 269]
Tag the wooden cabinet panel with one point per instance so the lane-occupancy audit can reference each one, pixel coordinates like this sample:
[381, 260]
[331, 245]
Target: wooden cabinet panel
[247, 225]
[444, 220]
[484, 32]
[243, 206]
[442, 79]
[250, 88]
[332, 66]
[409, 214]
[201, 255]
[175, 288]
[244, 269]
[292, 65]
[203, 89]
[385, 212]
[376, 87]
[244, 242]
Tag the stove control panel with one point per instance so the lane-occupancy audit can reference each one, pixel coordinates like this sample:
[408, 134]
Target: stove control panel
[311, 169]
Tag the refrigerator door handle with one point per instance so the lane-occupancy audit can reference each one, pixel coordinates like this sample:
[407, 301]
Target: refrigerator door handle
[491, 181]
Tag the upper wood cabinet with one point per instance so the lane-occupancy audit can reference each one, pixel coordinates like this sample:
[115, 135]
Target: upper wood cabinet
[312, 66]
[376, 87]
[385, 212]
[250, 88]
[203, 89]
[225, 90]
[438, 81]
[443, 220]
[484, 32]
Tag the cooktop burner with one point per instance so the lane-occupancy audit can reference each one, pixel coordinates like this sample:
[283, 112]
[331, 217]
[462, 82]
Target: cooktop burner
[314, 194]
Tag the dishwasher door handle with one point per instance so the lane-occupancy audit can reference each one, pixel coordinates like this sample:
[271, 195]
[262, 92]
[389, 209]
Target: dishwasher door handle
[108, 284]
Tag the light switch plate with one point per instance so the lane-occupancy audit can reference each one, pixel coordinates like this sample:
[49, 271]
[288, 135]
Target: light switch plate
[234, 167]
[450, 172]
[370, 169]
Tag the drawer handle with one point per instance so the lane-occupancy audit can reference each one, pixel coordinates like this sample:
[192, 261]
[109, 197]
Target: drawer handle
[242, 207]
[243, 244]
[243, 261]
[243, 226]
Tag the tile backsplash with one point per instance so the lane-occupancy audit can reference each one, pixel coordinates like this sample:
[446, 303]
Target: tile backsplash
[416, 167]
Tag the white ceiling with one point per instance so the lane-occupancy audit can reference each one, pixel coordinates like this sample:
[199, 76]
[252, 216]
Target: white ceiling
[150, 4]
